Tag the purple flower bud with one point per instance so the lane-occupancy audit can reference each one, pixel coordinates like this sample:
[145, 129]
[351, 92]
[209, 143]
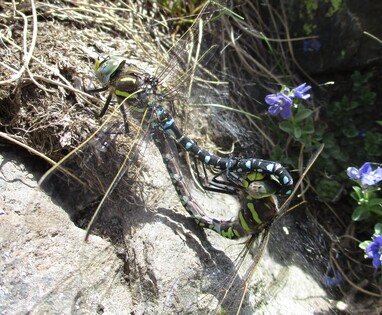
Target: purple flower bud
[353, 173]
[299, 91]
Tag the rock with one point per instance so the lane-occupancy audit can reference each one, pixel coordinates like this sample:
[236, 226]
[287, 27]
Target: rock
[338, 42]
[46, 267]
[164, 264]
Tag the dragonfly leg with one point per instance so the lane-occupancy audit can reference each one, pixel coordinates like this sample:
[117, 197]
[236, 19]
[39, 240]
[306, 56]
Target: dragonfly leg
[101, 89]
[106, 105]
[215, 185]
[124, 116]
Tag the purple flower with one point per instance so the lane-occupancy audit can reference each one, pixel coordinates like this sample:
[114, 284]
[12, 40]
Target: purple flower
[300, 90]
[279, 104]
[365, 174]
[374, 250]
[311, 45]
[332, 278]
[362, 133]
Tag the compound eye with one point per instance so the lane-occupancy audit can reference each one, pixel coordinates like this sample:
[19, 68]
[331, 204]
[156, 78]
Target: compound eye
[262, 189]
[101, 60]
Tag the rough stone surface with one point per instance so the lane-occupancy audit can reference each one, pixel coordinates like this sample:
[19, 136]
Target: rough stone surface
[340, 43]
[166, 267]
[46, 267]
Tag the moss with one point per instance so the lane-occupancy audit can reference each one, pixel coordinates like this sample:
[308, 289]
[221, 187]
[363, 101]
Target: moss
[335, 6]
[311, 7]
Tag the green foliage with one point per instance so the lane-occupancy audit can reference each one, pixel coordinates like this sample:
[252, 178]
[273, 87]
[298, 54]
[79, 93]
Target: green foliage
[311, 10]
[300, 126]
[369, 206]
[335, 6]
[311, 7]
[378, 229]
[328, 189]
[351, 124]
[351, 136]
[182, 10]
[350, 133]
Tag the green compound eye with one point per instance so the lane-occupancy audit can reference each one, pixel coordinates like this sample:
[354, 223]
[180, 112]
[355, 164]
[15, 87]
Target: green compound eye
[262, 189]
[104, 68]
[257, 186]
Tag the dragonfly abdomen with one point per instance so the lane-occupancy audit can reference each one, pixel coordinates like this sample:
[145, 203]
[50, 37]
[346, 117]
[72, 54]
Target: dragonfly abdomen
[285, 181]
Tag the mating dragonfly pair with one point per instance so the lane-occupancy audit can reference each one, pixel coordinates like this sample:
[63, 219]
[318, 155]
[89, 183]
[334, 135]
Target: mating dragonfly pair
[255, 180]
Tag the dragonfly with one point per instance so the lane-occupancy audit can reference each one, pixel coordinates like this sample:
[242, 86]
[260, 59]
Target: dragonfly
[144, 96]
[126, 82]
[260, 180]
[259, 209]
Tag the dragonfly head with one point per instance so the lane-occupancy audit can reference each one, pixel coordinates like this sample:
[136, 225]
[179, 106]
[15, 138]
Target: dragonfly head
[258, 186]
[106, 67]
[261, 189]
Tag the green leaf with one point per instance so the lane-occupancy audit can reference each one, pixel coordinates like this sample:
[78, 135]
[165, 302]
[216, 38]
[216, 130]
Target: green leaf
[378, 229]
[286, 126]
[327, 189]
[357, 194]
[308, 129]
[364, 244]
[375, 202]
[297, 132]
[302, 114]
[360, 213]
[350, 132]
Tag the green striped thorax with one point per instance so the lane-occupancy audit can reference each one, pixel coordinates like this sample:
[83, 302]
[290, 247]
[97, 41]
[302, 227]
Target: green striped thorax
[260, 205]
[126, 81]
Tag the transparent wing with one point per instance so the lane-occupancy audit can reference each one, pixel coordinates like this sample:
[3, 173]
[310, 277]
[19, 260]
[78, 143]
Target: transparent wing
[97, 167]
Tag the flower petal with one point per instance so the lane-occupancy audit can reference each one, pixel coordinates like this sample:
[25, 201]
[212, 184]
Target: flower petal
[365, 168]
[371, 249]
[286, 112]
[272, 99]
[368, 179]
[376, 261]
[279, 104]
[300, 91]
[353, 173]
[377, 174]
[378, 240]
[274, 110]
[374, 250]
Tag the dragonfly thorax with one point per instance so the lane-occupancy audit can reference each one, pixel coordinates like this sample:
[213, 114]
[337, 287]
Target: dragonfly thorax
[131, 82]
